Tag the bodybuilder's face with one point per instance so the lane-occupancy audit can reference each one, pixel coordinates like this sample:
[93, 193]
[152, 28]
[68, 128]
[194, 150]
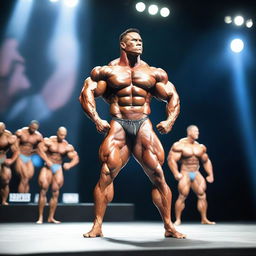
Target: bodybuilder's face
[132, 44]
[193, 133]
[61, 134]
[33, 128]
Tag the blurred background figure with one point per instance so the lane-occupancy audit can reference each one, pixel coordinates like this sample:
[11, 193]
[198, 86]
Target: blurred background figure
[28, 140]
[189, 153]
[7, 142]
[53, 150]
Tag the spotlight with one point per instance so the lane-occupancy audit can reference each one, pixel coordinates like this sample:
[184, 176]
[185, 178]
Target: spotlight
[140, 7]
[237, 45]
[239, 20]
[54, 1]
[228, 19]
[71, 3]
[165, 12]
[249, 23]
[153, 9]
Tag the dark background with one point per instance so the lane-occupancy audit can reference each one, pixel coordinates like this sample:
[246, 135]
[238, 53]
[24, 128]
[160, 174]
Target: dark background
[192, 46]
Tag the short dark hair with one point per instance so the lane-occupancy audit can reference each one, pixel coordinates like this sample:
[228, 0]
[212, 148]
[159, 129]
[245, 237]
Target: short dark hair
[34, 122]
[129, 30]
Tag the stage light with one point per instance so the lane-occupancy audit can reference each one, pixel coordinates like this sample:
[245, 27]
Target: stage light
[71, 3]
[140, 7]
[228, 19]
[239, 20]
[54, 1]
[18, 22]
[165, 12]
[249, 23]
[237, 45]
[153, 9]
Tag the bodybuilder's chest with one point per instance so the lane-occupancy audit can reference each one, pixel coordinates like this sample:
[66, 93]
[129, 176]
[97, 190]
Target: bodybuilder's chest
[58, 149]
[4, 144]
[192, 151]
[24, 139]
[121, 78]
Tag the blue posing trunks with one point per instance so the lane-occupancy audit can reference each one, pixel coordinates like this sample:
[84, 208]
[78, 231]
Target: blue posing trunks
[55, 168]
[192, 175]
[25, 159]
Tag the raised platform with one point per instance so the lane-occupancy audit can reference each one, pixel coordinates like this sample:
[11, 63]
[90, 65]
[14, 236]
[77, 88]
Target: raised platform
[127, 239]
[65, 212]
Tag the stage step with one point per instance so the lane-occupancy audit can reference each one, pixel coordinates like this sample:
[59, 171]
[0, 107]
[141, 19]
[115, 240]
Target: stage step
[65, 212]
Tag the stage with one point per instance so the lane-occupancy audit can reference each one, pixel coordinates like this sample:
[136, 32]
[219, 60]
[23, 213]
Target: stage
[127, 238]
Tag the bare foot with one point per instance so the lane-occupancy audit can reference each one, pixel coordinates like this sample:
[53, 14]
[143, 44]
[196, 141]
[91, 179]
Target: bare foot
[94, 232]
[53, 221]
[206, 221]
[5, 203]
[177, 222]
[172, 232]
[39, 221]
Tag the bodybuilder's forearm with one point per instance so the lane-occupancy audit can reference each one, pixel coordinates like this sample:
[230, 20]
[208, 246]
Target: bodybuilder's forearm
[89, 106]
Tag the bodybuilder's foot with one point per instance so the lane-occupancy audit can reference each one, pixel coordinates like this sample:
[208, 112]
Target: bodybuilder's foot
[54, 221]
[206, 221]
[94, 232]
[177, 222]
[39, 221]
[172, 232]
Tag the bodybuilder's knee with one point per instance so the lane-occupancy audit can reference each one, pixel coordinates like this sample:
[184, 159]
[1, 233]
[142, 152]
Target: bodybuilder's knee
[182, 197]
[201, 196]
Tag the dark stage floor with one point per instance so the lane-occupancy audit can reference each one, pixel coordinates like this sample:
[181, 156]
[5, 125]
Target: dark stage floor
[127, 238]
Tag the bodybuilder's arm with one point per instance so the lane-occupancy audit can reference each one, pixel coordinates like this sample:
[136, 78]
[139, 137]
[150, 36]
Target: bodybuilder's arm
[72, 154]
[42, 148]
[94, 86]
[14, 148]
[207, 164]
[173, 157]
[165, 91]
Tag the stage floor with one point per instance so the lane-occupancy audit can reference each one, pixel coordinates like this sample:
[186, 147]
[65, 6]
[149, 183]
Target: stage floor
[127, 238]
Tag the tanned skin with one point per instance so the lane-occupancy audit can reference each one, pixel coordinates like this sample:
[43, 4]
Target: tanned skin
[28, 140]
[128, 85]
[190, 153]
[8, 141]
[53, 150]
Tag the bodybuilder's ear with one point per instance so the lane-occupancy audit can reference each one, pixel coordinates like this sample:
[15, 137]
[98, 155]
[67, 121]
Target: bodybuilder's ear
[122, 45]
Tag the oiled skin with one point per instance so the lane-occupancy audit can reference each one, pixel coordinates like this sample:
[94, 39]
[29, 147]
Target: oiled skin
[128, 85]
[189, 153]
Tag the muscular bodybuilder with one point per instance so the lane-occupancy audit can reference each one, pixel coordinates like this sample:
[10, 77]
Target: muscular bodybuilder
[7, 141]
[28, 140]
[190, 153]
[53, 150]
[128, 85]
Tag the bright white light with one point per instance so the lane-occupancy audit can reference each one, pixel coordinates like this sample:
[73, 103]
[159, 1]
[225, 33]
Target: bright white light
[140, 7]
[71, 3]
[153, 9]
[54, 1]
[237, 45]
[228, 19]
[239, 20]
[249, 23]
[164, 12]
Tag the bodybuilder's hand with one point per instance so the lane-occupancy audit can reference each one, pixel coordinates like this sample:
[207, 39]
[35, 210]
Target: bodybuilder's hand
[164, 127]
[49, 163]
[102, 126]
[8, 161]
[178, 176]
[210, 179]
[66, 166]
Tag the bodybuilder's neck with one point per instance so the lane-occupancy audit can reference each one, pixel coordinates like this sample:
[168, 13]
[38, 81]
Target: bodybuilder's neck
[128, 59]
